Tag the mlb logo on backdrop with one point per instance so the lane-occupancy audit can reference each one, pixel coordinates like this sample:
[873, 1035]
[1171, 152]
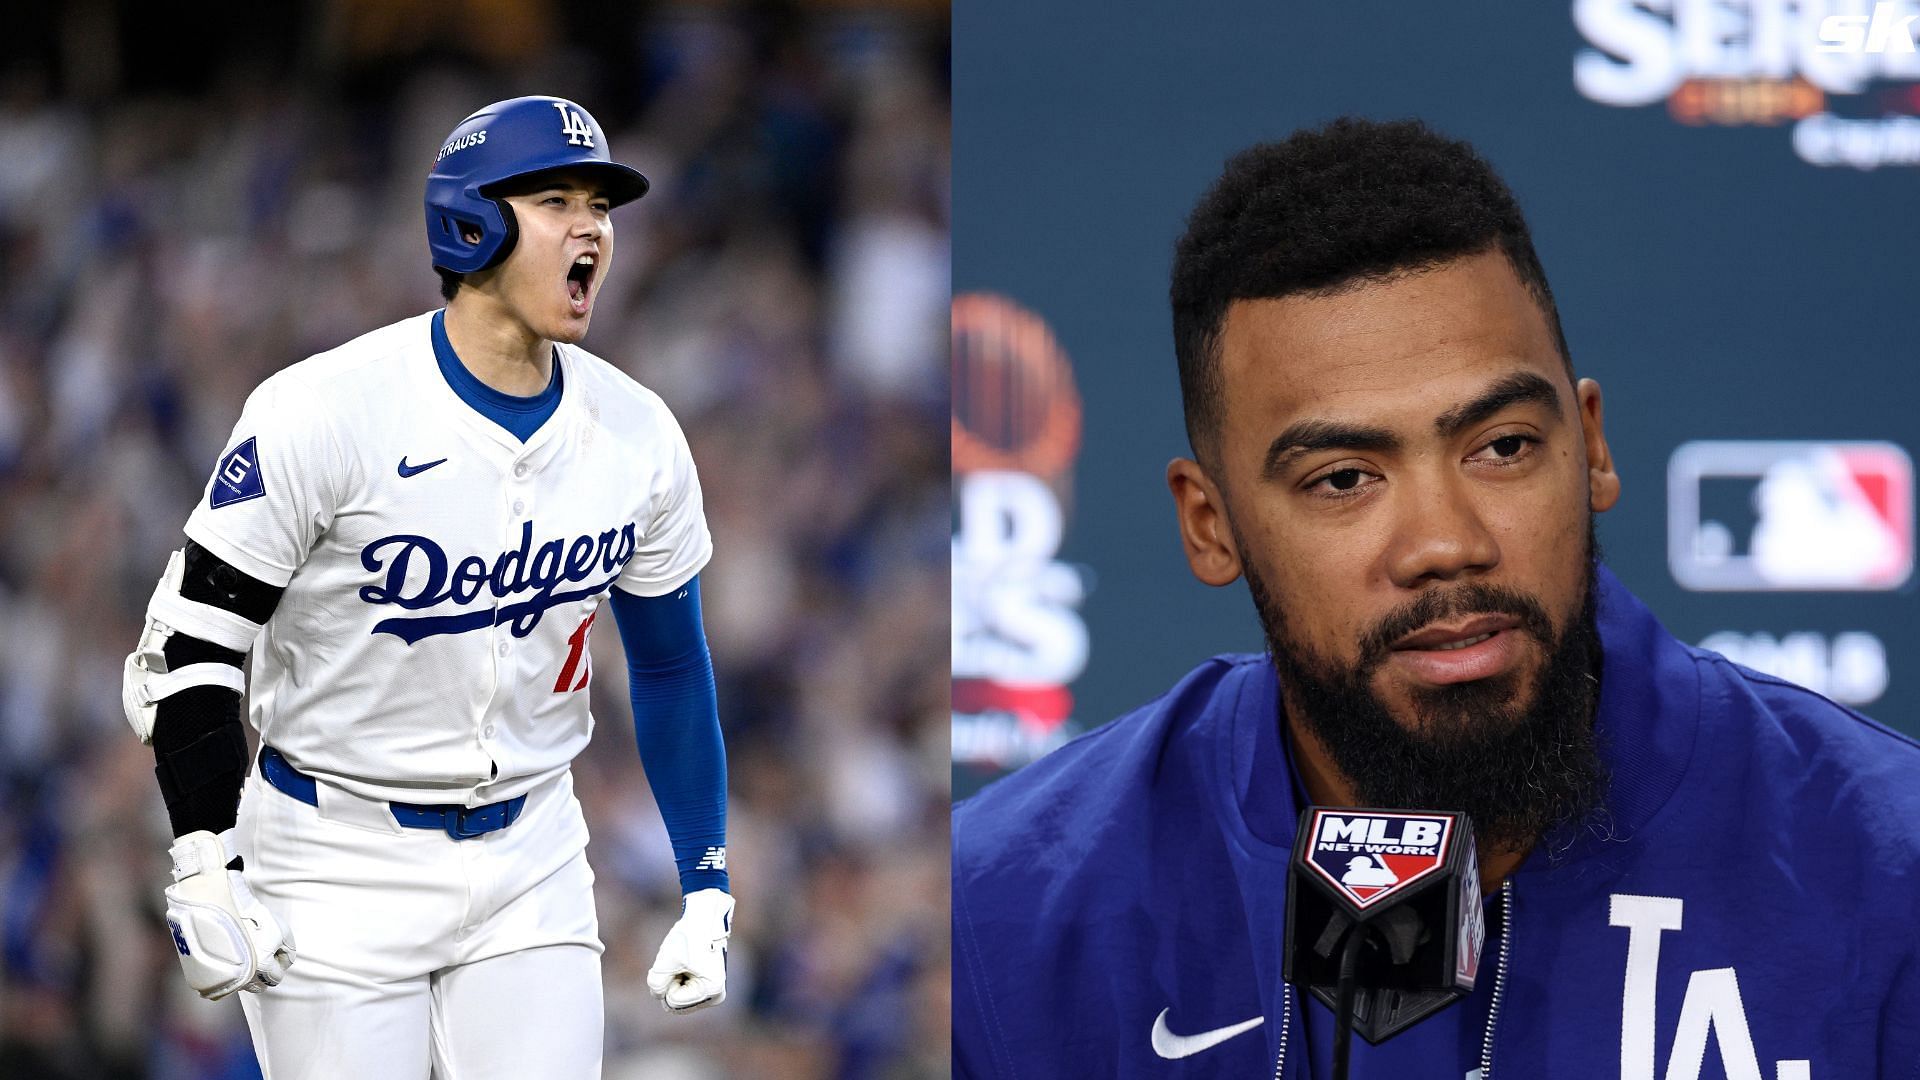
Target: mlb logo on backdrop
[1371, 855]
[1784, 515]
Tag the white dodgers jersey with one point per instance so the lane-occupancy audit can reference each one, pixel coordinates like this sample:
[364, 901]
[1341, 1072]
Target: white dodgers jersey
[441, 576]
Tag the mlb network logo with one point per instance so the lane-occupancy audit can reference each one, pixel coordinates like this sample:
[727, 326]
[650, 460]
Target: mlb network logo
[1370, 855]
[1887, 30]
[1790, 516]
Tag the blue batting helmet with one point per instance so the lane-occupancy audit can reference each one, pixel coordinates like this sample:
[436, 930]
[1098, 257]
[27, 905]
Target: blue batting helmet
[505, 141]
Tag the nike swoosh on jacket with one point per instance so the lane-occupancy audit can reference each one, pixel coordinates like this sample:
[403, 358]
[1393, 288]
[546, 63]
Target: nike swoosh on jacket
[1173, 1047]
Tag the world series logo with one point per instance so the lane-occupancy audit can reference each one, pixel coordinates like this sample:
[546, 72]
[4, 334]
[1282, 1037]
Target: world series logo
[1019, 640]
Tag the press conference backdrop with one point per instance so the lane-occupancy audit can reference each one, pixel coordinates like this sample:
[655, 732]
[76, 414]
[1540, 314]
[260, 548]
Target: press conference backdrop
[1722, 192]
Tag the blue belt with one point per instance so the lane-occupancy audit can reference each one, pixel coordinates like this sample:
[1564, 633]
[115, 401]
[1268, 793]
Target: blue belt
[459, 822]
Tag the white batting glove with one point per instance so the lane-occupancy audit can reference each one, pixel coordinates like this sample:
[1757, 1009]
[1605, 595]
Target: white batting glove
[227, 941]
[690, 972]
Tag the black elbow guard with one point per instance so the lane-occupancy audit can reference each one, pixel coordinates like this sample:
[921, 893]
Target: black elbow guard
[199, 744]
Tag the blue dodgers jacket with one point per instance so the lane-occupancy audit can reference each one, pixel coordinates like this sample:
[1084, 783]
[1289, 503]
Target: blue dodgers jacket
[1752, 912]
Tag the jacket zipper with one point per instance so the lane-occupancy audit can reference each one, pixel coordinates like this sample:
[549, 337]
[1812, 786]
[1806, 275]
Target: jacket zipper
[1493, 1009]
[1286, 1013]
[1499, 978]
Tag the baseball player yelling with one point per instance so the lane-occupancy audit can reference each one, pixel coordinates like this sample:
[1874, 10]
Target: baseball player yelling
[411, 535]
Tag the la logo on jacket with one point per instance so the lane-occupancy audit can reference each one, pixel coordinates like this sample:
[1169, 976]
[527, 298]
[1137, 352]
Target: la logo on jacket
[1712, 1003]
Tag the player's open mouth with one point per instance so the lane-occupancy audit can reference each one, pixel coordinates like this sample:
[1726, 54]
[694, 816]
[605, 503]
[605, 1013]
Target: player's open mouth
[580, 282]
[1481, 647]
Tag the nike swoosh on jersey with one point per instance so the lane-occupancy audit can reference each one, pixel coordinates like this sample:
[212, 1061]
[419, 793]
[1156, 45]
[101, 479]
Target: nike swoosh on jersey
[1174, 1047]
[414, 470]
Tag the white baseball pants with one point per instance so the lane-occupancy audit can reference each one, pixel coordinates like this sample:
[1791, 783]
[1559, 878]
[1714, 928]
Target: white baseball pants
[422, 956]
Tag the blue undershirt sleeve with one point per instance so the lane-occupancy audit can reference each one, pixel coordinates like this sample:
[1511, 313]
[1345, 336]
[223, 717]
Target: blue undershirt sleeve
[676, 721]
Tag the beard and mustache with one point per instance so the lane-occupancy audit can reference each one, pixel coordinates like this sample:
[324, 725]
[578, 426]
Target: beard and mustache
[1519, 767]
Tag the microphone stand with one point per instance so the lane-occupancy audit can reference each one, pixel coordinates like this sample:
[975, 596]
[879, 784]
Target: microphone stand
[1344, 994]
[1395, 944]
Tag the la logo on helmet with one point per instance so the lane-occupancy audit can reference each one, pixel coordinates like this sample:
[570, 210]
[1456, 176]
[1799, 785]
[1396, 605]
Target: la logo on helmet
[574, 126]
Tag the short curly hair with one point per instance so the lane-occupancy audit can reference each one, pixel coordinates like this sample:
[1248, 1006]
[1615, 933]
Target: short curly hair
[1352, 201]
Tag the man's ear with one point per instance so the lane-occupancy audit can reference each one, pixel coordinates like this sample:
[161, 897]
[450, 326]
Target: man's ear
[1603, 484]
[1205, 530]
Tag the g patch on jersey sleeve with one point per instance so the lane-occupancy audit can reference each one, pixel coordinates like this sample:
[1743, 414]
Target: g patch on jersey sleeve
[238, 477]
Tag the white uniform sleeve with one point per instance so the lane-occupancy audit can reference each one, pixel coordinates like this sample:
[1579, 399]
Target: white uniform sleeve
[276, 486]
[675, 543]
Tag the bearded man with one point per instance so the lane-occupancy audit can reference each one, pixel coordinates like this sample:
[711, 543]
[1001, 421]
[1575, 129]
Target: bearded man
[1692, 870]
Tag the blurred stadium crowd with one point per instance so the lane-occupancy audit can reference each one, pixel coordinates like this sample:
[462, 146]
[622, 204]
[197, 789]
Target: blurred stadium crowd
[168, 239]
